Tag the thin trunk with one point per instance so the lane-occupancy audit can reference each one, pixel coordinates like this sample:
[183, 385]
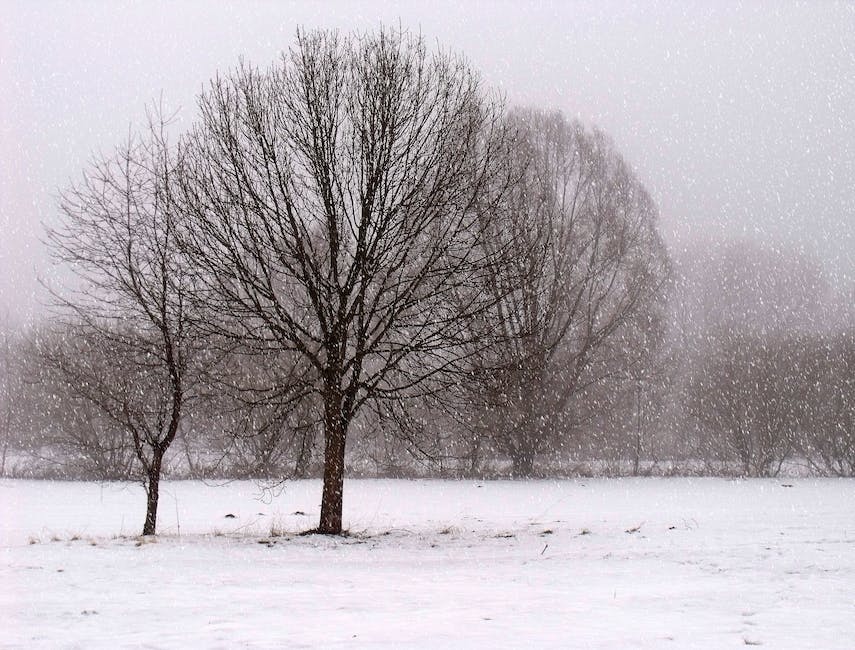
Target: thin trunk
[155, 468]
[7, 403]
[304, 456]
[523, 459]
[4, 453]
[159, 449]
[636, 461]
[7, 433]
[152, 493]
[475, 456]
[530, 436]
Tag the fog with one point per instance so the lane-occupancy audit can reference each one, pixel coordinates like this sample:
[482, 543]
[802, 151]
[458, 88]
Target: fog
[355, 263]
[737, 116]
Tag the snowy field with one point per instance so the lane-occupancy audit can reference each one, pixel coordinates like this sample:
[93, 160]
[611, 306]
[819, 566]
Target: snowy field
[641, 563]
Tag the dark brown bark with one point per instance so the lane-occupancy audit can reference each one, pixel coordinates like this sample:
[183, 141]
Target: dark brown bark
[331, 500]
[152, 494]
[335, 438]
[154, 467]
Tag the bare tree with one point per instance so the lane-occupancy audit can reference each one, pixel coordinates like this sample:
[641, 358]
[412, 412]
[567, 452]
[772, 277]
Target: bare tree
[748, 398]
[268, 418]
[118, 238]
[728, 291]
[333, 207]
[66, 369]
[587, 266]
[828, 406]
[627, 405]
[410, 436]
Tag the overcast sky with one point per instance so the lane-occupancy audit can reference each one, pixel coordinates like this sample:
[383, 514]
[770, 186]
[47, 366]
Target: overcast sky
[739, 117]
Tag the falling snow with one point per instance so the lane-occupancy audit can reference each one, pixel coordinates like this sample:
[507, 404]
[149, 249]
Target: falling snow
[558, 300]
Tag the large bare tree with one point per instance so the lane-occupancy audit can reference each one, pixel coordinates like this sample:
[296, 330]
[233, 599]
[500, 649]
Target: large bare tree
[577, 298]
[333, 206]
[127, 298]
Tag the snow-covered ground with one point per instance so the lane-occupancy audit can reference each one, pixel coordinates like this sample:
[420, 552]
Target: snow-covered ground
[631, 563]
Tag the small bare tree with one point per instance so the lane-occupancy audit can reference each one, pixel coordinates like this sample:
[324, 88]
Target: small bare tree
[747, 397]
[117, 237]
[67, 370]
[333, 206]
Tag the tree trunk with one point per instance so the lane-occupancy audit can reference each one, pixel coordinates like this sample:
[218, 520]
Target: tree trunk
[523, 461]
[5, 451]
[3, 456]
[636, 460]
[152, 494]
[335, 433]
[304, 455]
[528, 441]
[475, 456]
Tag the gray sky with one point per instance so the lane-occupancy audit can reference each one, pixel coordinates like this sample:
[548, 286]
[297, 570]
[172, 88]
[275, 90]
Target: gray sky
[739, 117]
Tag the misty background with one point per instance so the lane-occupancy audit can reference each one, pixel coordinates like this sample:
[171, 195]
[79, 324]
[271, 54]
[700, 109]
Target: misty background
[724, 342]
[736, 116]
[353, 263]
